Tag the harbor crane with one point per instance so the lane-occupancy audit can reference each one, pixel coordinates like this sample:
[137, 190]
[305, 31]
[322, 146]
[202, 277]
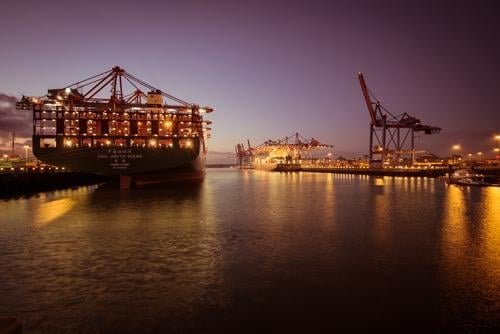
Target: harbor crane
[290, 147]
[394, 135]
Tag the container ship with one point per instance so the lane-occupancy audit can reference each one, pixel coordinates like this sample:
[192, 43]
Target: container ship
[137, 137]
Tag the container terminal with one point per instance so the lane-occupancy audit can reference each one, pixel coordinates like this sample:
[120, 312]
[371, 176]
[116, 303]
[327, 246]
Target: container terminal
[391, 150]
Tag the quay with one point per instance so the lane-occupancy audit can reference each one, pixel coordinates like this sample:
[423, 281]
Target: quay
[24, 181]
[435, 172]
[415, 172]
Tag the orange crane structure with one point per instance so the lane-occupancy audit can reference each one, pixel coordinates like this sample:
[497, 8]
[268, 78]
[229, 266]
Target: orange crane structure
[392, 137]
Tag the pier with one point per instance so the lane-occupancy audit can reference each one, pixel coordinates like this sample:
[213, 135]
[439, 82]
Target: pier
[24, 181]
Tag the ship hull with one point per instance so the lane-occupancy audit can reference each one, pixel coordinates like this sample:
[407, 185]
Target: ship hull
[144, 166]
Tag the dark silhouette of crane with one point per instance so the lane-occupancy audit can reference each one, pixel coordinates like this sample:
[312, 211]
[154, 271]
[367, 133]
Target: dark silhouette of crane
[392, 133]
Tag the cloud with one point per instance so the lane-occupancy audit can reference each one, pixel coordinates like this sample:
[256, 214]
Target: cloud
[13, 120]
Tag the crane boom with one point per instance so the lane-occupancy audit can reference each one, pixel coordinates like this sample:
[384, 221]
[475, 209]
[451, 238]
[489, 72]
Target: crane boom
[369, 104]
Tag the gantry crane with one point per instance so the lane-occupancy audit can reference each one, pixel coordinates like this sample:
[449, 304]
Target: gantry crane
[290, 147]
[395, 130]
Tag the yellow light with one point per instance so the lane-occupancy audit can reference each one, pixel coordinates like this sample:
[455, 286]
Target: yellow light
[497, 137]
[456, 147]
[108, 142]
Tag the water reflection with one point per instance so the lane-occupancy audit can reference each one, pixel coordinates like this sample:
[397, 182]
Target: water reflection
[50, 211]
[471, 256]
[252, 247]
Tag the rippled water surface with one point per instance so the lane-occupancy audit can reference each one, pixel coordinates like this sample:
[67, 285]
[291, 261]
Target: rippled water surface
[248, 251]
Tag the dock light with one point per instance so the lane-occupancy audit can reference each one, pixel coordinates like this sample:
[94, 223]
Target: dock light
[496, 149]
[497, 137]
[67, 90]
[456, 147]
[108, 142]
[26, 148]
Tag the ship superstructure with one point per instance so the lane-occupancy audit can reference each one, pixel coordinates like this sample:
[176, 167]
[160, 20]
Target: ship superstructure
[136, 136]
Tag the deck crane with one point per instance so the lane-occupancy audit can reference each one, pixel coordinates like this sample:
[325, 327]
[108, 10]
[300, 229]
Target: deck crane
[395, 130]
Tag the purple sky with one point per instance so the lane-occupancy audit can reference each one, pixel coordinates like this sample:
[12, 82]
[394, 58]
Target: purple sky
[271, 68]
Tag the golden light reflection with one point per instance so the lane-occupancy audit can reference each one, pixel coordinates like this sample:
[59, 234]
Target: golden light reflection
[471, 242]
[379, 182]
[454, 230]
[50, 211]
[491, 261]
[381, 214]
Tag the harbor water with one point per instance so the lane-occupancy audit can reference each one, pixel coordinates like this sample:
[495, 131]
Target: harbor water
[254, 251]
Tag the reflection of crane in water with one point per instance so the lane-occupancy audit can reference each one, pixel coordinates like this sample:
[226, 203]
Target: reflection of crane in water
[283, 150]
[391, 132]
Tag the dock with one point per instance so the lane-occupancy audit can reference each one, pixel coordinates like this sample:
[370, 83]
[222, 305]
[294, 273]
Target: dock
[21, 182]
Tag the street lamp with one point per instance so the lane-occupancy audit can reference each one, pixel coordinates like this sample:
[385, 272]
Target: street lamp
[455, 148]
[26, 148]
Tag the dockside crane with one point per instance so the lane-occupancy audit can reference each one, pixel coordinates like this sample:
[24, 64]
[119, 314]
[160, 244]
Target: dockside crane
[243, 155]
[290, 147]
[392, 134]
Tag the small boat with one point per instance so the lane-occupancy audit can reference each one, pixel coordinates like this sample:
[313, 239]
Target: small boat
[468, 177]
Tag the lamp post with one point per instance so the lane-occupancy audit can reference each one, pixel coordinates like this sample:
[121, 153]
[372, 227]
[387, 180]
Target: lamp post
[455, 148]
[26, 148]
[497, 148]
